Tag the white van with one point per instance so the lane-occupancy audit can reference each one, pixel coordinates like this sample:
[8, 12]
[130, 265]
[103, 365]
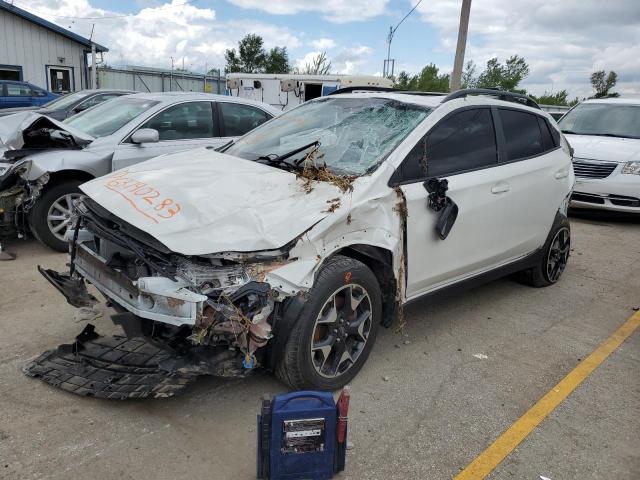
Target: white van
[285, 91]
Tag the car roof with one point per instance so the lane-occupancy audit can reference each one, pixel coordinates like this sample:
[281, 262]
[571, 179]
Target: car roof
[90, 91]
[616, 100]
[436, 100]
[181, 96]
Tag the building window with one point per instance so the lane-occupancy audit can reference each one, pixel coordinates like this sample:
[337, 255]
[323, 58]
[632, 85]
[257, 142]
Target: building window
[11, 72]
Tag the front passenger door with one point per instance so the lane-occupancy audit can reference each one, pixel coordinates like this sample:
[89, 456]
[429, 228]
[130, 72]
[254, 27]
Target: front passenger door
[180, 127]
[462, 148]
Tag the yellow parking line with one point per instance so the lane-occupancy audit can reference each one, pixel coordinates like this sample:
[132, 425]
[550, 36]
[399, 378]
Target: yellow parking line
[488, 460]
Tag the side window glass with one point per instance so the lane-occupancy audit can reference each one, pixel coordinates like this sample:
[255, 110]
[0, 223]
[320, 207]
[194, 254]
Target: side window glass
[183, 121]
[547, 139]
[15, 90]
[240, 119]
[463, 141]
[522, 134]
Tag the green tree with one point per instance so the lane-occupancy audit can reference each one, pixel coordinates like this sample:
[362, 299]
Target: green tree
[401, 82]
[320, 65]
[251, 57]
[505, 77]
[428, 80]
[277, 61]
[558, 98]
[468, 78]
[603, 83]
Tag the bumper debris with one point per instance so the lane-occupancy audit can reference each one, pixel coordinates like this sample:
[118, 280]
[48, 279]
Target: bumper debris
[114, 367]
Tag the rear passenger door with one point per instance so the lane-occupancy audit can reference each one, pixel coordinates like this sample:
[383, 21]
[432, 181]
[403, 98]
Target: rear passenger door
[536, 170]
[180, 127]
[238, 119]
[462, 147]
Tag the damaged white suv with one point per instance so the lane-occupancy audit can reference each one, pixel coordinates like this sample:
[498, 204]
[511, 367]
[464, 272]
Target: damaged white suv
[289, 249]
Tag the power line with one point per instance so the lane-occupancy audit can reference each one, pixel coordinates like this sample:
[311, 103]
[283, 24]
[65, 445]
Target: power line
[106, 16]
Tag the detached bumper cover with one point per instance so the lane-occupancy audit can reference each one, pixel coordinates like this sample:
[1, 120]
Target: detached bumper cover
[109, 367]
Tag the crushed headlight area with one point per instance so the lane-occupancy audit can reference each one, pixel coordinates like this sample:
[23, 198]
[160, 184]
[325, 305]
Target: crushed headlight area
[181, 316]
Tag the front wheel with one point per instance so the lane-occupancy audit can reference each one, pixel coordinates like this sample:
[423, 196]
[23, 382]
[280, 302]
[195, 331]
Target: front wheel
[555, 255]
[336, 330]
[50, 217]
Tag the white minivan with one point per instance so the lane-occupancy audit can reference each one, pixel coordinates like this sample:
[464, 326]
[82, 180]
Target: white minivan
[605, 136]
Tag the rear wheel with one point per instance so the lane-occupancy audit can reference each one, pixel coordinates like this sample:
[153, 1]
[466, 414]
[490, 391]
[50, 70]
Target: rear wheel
[555, 256]
[50, 217]
[336, 329]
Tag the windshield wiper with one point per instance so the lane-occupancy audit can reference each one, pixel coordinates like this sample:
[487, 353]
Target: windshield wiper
[224, 147]
[591, 134]
[273, 159]
[615, 135]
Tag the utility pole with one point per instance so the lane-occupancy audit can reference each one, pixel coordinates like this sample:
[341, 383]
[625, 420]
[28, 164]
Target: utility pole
[93, 59]
[462, 43]
[389, 63]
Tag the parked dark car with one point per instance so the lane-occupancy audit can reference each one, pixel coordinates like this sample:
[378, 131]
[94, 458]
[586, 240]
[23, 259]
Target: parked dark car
[22, 94]
[68, 105]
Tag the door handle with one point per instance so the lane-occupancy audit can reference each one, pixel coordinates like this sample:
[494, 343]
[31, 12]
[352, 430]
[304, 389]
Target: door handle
[561, 174]
[500, 188]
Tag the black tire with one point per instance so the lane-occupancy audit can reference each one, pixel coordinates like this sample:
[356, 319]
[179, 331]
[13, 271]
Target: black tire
[40, 211]
[339, 277]
[543, 275]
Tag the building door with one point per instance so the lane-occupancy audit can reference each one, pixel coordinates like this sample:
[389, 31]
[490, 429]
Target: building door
[60, 79]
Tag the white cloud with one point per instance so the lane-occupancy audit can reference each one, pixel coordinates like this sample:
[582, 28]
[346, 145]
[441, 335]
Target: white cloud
[563, 42]
[338, 11]
[323, 43]
[353, 60]
[348, 61]
[156, 33]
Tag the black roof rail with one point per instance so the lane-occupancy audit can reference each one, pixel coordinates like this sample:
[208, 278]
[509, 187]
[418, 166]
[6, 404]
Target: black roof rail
[500, 94]
[363, 88]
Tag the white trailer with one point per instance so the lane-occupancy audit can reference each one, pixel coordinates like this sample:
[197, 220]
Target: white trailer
[286, 91]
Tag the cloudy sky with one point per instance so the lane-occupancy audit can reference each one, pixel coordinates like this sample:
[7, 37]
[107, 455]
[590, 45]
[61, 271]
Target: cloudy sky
[563, 41]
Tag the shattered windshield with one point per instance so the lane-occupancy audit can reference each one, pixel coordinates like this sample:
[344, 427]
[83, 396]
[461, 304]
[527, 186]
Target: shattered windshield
[108, 117]
[355, 135]
[606, 119]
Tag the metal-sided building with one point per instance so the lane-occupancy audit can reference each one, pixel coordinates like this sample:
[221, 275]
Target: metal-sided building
[42, 53]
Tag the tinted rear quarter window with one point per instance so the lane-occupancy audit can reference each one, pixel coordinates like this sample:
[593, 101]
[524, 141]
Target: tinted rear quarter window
[522, 134]
[240, 119]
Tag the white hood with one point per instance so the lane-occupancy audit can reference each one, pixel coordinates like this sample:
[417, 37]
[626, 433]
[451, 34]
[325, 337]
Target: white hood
[200, 202]
[612, 149]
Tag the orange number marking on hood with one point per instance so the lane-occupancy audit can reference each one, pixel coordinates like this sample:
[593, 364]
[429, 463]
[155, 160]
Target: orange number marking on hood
[134, 191]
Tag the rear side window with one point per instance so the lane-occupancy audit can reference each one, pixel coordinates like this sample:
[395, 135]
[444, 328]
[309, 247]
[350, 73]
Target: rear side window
[239, 119]
[521, 133]
[461, 142]
[15, 90]
[547, 139]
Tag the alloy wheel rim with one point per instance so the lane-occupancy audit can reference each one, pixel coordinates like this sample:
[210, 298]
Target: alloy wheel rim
[558, 254]
[59, 215]
[341, 331]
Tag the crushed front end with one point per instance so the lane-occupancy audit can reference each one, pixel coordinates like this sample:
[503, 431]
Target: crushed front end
[208, 315]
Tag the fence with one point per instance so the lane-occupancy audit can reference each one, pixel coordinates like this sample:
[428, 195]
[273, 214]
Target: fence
[143, 80]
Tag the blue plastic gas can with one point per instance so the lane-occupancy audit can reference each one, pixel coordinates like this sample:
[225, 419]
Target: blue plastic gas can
[297, 437]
